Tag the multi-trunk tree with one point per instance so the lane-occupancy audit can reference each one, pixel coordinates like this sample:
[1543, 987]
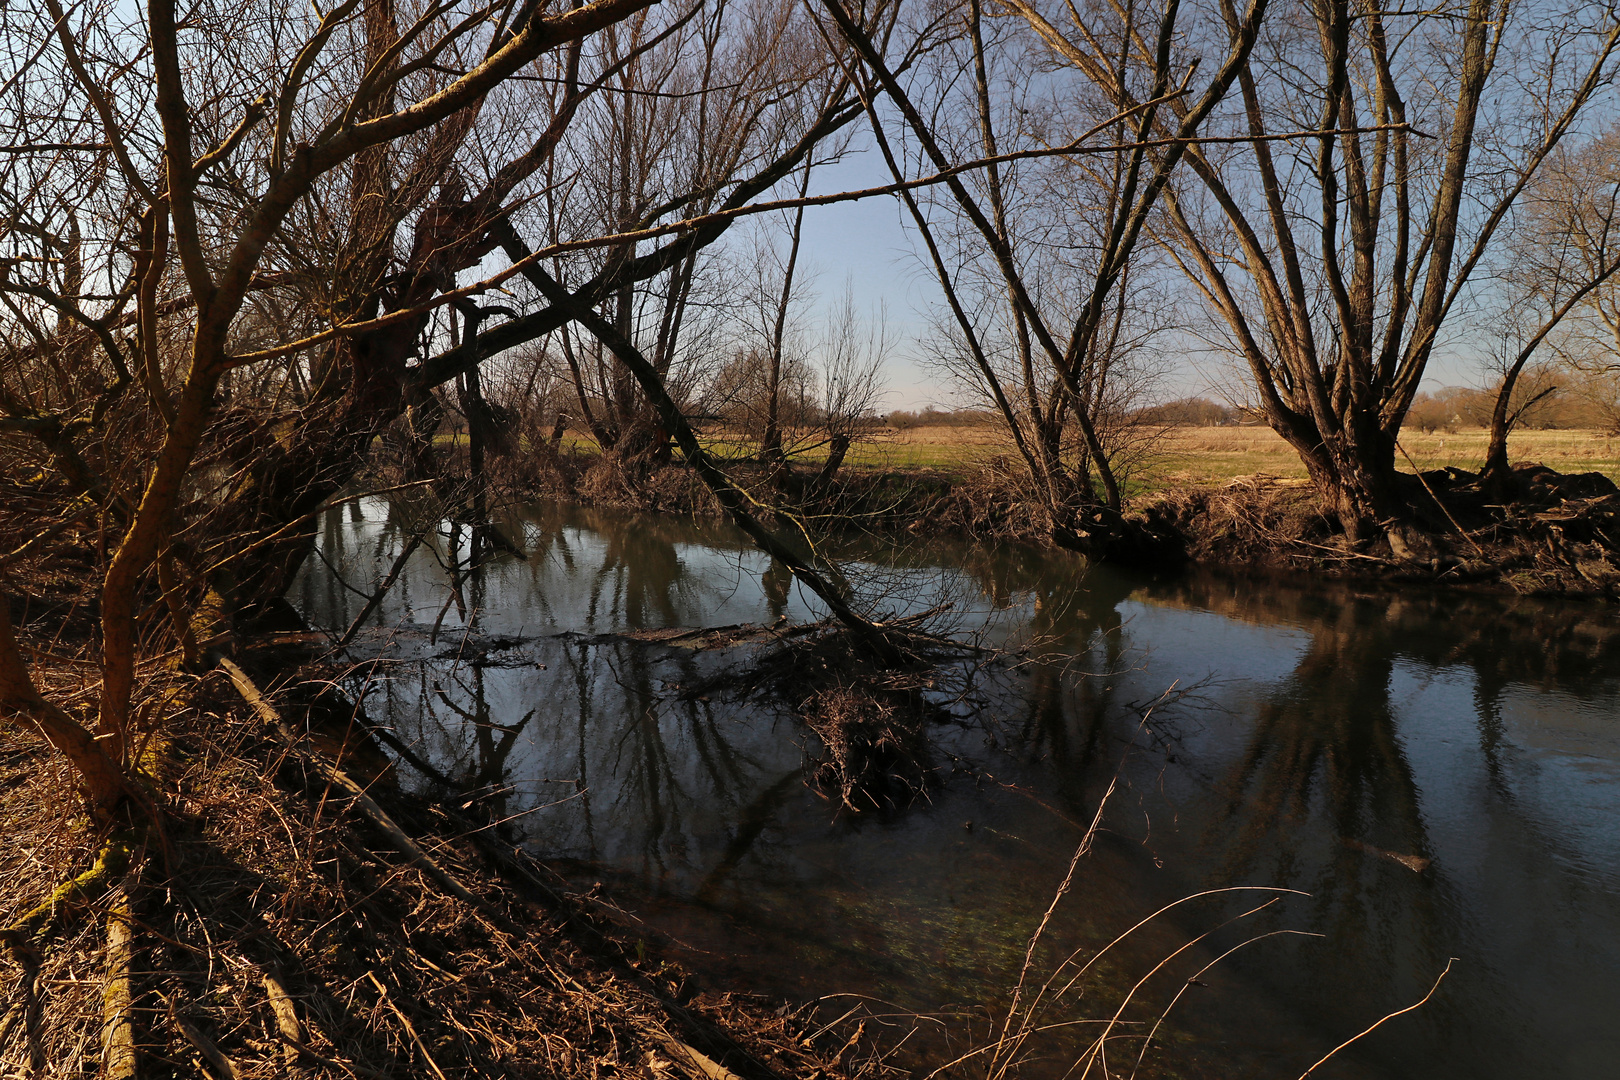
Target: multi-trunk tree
[236, 241]
[1048, 177]
[1337, 224]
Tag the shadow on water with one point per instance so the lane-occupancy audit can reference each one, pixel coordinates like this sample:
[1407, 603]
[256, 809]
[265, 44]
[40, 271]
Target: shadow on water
[1440, 773]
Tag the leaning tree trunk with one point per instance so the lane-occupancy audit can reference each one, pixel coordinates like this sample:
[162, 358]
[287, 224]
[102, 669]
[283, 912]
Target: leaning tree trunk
[101, 776]
[1497, 474]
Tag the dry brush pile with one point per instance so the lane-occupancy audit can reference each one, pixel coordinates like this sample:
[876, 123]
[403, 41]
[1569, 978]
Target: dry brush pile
[270, 904]
[1544, 532]
[272, 925]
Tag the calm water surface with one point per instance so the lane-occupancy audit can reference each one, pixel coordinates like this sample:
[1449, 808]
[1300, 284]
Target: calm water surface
[1314, 733]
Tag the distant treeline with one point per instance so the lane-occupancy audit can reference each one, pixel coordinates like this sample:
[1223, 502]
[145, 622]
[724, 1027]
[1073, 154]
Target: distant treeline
[1551, 399]
[1195, 412]
[932, 417]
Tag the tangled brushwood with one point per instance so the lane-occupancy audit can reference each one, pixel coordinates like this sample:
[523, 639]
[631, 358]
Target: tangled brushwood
[1540, 532]
[868, 708]
[289, 913]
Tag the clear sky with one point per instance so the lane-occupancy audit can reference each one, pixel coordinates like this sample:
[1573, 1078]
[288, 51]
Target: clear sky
[868, 244]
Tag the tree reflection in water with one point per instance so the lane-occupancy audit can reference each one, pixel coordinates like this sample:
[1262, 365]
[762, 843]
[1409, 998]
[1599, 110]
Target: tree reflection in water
[1349, 725]
[1400, 728]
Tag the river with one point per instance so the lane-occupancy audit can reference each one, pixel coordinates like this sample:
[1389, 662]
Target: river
[1434, 777]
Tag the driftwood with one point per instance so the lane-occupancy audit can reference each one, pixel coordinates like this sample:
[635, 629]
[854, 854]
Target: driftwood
[281, 1006]
[220, 1065]
[699, 1062]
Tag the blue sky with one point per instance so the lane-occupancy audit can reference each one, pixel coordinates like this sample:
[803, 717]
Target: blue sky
[869, 243]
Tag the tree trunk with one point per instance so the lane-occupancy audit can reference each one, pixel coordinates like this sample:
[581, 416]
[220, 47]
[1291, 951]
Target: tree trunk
[103, 779]
[835, 461]
[1355, 478]
[1504, 417]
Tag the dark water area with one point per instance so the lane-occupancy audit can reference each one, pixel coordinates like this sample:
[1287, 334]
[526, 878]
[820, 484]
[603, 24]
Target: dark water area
[1435, 776]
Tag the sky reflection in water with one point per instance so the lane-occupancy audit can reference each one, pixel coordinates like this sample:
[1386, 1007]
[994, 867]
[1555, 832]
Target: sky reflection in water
[1328, 728]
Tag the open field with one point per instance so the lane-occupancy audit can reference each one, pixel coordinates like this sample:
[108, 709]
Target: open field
[1221, 453]
[1214, 454]
[946, 447]
[1205, 454]
[1188, 454]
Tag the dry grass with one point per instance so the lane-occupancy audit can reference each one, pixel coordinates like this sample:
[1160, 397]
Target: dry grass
[265, 873]
[1217, 454]
[1184, 454]
[945, 447]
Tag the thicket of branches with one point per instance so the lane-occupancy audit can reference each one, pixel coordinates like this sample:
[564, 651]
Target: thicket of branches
[241, 244]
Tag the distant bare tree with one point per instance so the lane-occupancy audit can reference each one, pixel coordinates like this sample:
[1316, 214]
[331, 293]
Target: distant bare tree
[1559, 282]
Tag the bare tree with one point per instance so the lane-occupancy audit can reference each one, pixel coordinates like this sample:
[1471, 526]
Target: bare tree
[1363, 175]
[679, 128]
[851, 354]
[240, 245]
[1044, 316]
[793, 390]
[1559, 282]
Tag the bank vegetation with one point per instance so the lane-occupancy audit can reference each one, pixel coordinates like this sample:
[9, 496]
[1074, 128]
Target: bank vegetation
[256, 258]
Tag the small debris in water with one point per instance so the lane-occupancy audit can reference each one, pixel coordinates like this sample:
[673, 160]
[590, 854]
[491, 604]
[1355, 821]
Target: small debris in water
[1415, 863]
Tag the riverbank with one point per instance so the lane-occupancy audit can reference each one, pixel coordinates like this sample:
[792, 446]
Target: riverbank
[1552, 532]
[292, 911]
[686, 805]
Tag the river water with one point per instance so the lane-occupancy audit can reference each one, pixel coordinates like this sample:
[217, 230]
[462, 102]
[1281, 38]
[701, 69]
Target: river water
[1434, 777]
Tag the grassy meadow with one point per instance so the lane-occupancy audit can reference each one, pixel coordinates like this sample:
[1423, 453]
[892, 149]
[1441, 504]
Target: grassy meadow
[1184, 455]
[1216, 454]
[1202, 454]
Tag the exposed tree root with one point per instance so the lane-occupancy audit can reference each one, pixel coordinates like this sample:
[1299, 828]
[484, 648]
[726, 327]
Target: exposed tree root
[72, 898]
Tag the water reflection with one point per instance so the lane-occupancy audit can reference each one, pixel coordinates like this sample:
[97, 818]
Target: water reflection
[1403, 725]
[1332, 729]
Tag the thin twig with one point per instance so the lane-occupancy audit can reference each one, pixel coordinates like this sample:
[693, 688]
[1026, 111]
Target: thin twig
[409, 1027]
[1391, 1016]
[1460, 530]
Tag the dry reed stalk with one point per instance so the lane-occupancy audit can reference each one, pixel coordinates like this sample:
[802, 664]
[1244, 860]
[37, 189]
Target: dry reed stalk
[1398, 1012]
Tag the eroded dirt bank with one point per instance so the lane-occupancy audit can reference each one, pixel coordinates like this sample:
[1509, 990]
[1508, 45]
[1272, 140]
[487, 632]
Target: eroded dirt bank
[1553, 534]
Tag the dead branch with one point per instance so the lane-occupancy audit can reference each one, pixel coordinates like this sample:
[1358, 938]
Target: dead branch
[362, 801]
